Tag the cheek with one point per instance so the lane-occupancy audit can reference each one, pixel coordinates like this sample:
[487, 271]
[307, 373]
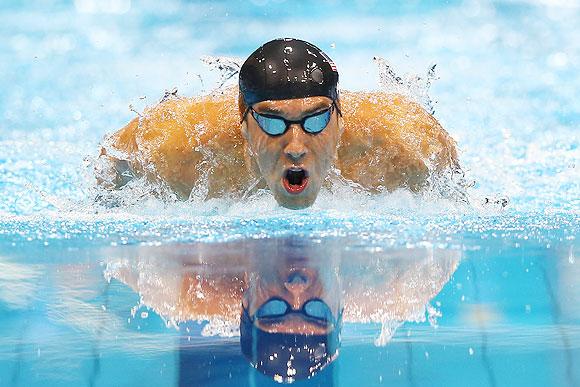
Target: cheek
[326, 149]
[266, 152]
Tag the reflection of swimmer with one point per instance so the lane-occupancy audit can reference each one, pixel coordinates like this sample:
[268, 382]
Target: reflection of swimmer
[294, 127]
[291, 304]
[290, 291]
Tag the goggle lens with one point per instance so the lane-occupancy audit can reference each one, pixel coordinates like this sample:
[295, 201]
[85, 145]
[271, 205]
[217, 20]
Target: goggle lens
[315, 124]
[272, 308]
[272, 126]
[316, 309]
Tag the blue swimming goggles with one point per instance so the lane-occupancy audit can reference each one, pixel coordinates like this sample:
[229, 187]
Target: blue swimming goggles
[276, 125]
[276, 307]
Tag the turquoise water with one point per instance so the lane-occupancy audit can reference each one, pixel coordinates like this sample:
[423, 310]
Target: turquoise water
[506, 91]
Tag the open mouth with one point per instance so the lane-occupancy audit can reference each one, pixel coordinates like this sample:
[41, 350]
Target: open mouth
[295, 180]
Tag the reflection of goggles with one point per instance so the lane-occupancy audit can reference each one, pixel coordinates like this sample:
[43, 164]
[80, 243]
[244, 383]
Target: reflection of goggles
[276, 125]
[276, 307]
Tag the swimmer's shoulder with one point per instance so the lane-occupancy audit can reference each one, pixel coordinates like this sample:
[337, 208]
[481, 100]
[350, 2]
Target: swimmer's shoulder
[391, 141]
[180, 121]
[187, 122]
[173, 141]
[157, 134]
[386, 112]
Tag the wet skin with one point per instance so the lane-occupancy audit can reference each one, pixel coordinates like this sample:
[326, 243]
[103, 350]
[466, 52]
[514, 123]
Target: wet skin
[295, 149]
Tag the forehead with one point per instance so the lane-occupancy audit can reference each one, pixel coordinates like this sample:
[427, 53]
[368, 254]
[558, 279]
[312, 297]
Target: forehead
[293, 106]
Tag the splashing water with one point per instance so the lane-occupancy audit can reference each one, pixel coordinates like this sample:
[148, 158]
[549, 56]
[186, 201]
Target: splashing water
[452, 185]
[227, 67]
[413, 86]
[142, 200]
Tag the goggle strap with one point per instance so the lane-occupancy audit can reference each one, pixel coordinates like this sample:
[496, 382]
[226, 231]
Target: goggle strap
[245, 114]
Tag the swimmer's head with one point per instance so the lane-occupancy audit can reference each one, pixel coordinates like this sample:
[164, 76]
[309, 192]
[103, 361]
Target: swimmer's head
[290, 117]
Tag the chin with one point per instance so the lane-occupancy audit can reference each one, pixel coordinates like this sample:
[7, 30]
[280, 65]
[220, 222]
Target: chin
[295, 206]
[295, 203]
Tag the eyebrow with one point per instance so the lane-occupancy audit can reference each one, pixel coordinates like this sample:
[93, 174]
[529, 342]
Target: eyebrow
[310, 110]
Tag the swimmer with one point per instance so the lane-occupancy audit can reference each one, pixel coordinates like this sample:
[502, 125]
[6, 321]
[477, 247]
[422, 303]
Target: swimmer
[285, 128]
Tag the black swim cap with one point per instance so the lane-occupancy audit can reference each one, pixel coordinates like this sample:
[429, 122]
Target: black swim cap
[287, 69]
[287, 357]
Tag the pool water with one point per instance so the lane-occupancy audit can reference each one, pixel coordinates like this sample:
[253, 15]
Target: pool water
[508, 316]
[489, 295]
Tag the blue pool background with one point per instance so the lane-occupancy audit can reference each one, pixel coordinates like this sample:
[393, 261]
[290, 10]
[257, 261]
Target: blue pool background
[507, 92]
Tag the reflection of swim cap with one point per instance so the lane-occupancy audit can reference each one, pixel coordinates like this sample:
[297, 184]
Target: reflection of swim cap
[287, 357]
[287, 69]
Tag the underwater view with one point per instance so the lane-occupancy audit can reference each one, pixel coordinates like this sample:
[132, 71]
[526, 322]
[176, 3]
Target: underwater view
[160, 224]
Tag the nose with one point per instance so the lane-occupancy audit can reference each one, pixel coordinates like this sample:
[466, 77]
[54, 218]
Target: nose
[295, 150]
[299, 284]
